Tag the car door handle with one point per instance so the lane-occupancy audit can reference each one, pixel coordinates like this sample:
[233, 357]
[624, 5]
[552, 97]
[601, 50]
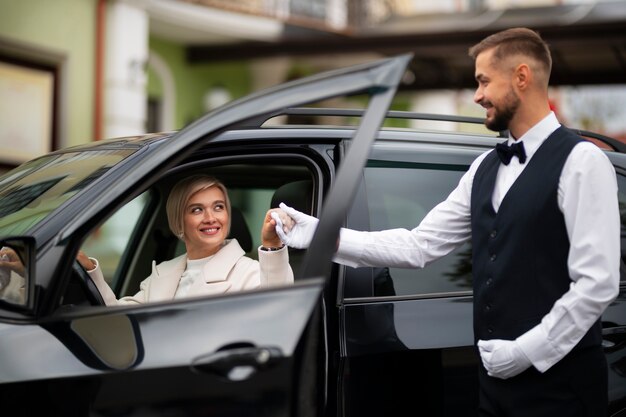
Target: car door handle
[239, 363]
[613, 336]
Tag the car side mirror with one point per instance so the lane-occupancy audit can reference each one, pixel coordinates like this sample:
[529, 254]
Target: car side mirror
[16, 270]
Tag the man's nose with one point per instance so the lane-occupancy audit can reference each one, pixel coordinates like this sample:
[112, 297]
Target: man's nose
[478, 95]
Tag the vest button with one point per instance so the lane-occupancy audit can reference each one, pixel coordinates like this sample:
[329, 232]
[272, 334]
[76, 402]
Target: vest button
[489, 281]
[493, 257]
[489, 329]
[488, 307]
[493, 234]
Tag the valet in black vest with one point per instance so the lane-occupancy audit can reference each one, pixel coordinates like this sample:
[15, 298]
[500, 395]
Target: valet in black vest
[520, 264]
[545, 233]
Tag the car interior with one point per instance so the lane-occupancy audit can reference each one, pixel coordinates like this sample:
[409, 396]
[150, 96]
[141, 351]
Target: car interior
[126, 245]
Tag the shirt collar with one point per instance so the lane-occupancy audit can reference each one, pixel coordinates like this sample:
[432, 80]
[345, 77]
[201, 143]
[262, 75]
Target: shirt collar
[535, 136]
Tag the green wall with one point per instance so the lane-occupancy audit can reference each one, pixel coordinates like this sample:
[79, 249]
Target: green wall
[193, 81]
[66, 28]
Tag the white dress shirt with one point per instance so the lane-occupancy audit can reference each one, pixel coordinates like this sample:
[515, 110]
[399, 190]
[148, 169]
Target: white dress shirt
[587, 197]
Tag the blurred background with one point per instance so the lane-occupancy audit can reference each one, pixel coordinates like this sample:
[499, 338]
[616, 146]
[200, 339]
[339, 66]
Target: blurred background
[74, 71]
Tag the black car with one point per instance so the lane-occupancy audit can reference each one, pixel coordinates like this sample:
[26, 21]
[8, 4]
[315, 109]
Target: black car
[338, 342]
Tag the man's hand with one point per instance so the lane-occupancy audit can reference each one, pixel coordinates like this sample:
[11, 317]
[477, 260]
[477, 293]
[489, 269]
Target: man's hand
[503, 358]
[298, 235]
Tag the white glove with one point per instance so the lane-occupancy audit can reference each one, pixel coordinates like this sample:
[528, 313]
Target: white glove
[301, 233]
[503, 358]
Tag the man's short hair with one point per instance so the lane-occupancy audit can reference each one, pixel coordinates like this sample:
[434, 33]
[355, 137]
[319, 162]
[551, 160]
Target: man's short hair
[516, 41]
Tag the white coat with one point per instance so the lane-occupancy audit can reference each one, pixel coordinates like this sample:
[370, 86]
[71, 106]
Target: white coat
[228, 270]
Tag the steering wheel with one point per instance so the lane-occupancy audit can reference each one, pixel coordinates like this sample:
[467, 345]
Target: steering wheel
[88, 288]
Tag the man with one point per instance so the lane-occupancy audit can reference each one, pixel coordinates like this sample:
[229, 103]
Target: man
[542, 215]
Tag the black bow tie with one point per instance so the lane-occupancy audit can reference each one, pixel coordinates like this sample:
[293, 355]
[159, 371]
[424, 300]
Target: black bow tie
[506, 152]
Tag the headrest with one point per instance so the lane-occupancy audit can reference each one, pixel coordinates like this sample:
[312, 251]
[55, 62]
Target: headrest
[297, 194]
[239, 229]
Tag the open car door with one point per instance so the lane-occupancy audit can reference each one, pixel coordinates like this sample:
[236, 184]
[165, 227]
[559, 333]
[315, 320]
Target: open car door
[241, 354]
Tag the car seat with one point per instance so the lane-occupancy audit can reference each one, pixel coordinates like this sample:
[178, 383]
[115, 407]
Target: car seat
[239, 229]
[299, 195]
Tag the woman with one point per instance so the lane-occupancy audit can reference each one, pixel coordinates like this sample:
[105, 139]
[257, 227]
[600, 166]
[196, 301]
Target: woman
[198, 213]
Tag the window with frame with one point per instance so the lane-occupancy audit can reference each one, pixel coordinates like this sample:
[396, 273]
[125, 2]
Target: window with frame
[399, 195]
[138, 233]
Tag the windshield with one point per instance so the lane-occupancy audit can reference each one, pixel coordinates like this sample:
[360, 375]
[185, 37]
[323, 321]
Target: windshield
[33, 190]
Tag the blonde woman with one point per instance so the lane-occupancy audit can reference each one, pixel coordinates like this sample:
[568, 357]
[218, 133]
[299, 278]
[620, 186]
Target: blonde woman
[198, 213]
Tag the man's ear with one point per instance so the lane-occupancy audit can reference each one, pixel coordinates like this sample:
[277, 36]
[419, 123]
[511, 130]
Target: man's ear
[522, 76]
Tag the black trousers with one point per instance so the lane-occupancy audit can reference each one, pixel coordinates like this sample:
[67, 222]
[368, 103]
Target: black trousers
[577, 386]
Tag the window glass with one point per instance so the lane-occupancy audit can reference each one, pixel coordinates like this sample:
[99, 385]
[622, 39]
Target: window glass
[111, 240]
[138, 235]
[32, 191]
[253, 204]
[399, 196]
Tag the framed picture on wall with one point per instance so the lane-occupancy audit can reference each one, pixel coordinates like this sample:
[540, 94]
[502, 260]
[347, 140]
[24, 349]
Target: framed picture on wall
[27, 110]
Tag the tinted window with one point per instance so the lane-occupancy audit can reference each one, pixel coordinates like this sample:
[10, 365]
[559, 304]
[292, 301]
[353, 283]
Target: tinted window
[31, 192]
[138, 233]
[17, 198]
[112, 239]
[399, 195]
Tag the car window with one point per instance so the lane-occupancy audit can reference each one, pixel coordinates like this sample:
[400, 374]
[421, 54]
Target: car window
[138, 234]
[399, 195]
[109, 242]
[31, 192]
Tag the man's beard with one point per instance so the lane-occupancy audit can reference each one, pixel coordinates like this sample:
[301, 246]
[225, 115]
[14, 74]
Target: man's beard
[503, 115]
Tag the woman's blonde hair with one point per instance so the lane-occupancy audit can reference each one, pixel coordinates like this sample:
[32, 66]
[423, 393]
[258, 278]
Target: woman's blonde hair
[180, 195]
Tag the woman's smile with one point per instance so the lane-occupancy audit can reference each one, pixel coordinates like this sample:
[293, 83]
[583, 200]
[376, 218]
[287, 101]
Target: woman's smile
[210, 230]
[205, 223]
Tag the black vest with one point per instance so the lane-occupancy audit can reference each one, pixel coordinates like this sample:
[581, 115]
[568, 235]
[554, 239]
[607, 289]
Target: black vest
[520, 253]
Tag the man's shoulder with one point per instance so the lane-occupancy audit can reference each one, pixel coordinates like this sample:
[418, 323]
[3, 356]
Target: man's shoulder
[565, 133]
[587, 151]
[589, 159]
